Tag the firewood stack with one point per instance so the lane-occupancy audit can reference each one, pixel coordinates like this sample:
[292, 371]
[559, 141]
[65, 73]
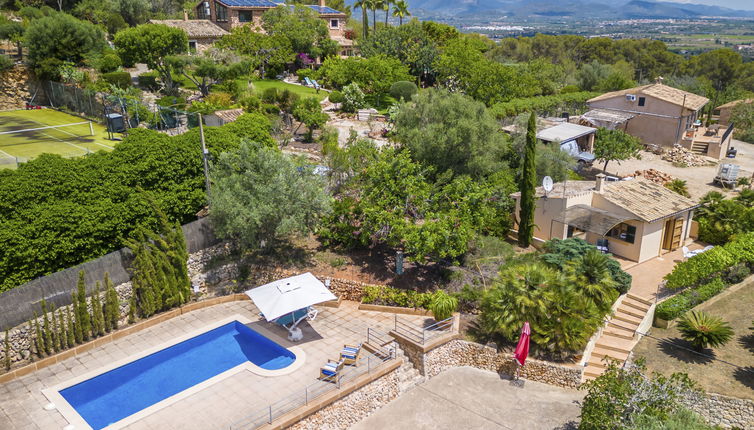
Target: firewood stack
[685, 157]
[653, 175]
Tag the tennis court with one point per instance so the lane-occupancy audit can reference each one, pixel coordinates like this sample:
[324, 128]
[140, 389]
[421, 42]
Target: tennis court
[48, 131]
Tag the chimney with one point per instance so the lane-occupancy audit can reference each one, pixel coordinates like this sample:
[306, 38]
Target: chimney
[659, 80]
[322, 3]
[185, 15]
[600, 181]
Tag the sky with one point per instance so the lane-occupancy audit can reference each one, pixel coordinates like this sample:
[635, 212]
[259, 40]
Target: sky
[733, 4]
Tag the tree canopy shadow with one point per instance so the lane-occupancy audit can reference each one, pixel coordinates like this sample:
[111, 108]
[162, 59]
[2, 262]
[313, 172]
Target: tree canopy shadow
[745, 375]
[684, 351]
[747, 342]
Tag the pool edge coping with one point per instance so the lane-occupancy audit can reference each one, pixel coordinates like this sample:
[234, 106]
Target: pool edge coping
[70, 414]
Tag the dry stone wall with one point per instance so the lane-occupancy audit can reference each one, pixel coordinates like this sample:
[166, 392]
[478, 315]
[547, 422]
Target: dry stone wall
[463, 353]
[354, 407]
[724, 411]
[14, 88]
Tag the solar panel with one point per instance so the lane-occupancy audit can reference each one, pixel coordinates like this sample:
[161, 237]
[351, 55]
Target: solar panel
[325, 9]
[250, 3]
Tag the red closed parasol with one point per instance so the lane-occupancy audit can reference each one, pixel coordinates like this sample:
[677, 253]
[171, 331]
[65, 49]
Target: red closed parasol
[522, 349]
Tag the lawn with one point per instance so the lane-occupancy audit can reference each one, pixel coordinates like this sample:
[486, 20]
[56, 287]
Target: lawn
[71, 141]
[302, 91]
[734, 306]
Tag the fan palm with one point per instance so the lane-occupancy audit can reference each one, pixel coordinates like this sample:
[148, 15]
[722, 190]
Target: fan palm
[364, 5]
[590, 277]
[400, 10]
[704, 330]
[678, 186]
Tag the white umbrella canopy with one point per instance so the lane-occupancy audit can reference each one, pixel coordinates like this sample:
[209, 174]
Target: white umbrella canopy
[290, 294]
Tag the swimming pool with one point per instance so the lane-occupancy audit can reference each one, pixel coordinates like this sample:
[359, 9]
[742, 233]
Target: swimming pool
[123, 391]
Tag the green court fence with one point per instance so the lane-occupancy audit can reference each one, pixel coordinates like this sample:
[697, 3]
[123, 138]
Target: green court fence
[95, 105]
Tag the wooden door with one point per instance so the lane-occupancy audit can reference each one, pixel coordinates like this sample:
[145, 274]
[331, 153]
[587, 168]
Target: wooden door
[677, 234]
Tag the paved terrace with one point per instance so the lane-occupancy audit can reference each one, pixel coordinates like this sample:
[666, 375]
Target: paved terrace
[217, 406]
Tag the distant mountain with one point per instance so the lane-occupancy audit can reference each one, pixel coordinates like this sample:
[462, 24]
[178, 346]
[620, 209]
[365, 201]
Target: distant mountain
[603, 9]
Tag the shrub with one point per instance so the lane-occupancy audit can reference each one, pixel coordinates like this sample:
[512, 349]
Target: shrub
[561, 251]
[442, 305]
[172, 102]
[737, 274]
[541, 104]
[270, 95]
[704, 330]
[251, 104]
[678, 186]
[700, 268]
[403, 90]
[5, 63]
[148, 81]
[336, 97]
[119, 79]
[106, 62]
[271, 109]
[388, 296]
[353, 98]
[677, 305]
[306, 73]
[253, 127]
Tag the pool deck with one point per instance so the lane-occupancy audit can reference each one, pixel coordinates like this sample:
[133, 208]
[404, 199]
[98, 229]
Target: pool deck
[216, 406]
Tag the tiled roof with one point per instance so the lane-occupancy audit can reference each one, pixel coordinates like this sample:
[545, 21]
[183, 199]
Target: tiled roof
[735, 103]
[569, 189]
[659, 91]
[228, 115]
[250, 3]
[647, 200]
[194, 27]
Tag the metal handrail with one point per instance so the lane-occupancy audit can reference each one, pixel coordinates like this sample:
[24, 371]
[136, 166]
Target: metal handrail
[367, 363]
[422, 334]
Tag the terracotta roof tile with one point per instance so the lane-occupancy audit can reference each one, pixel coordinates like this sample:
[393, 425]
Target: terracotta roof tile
[647, 200]
[193, 27]
[662, 92]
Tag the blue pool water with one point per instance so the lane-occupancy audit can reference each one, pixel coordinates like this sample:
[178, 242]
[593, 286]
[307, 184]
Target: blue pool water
[114, 395]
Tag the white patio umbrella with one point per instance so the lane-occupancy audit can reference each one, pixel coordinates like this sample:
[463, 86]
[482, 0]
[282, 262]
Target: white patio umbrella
[285, 296]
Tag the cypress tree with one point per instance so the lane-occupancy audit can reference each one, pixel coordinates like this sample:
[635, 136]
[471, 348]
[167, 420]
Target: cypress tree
[55, 330]
[82, 312]
[98, 319]
[528, 186]
[71, 332]
[48, 342]
[38, 338]
[112, 305]
[77, 333]
[63, 331]
[132, 308]
[7, 350]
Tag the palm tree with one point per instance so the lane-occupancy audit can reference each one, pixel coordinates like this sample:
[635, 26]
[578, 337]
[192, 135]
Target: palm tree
[400, 10]
[386, 7]
[364, 5]
[375, 4]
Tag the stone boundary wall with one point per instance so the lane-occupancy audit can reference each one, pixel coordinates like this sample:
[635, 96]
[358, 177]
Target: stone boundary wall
[457, 353]
[723, 411]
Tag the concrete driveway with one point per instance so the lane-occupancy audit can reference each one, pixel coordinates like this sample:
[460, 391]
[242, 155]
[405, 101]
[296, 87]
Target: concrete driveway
[469, 398]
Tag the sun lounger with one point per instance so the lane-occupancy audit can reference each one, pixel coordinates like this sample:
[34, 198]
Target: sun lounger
[329, 372]
[308, 82]
[350, 354]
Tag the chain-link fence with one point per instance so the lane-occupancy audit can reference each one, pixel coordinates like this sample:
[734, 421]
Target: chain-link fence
[95, 105]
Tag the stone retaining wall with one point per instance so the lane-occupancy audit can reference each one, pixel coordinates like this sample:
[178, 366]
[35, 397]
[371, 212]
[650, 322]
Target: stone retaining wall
[727, 412]
[353, 408]
[463, 353]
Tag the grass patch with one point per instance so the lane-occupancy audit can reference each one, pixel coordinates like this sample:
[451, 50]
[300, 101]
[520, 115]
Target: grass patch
[302, 91]
[70, 141]
[667, 356]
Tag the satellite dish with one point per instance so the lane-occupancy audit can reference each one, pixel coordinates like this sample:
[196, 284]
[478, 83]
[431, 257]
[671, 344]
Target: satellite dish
[547, 184]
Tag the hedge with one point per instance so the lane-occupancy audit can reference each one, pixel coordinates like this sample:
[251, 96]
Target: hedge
[540, 104]
[388, 296]
[119, 79]
[719, 259]
[678, 305]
